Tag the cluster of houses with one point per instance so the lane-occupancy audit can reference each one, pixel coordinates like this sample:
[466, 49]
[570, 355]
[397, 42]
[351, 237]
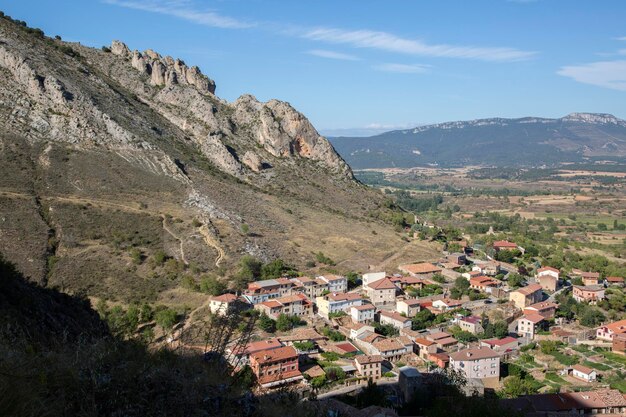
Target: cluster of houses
[389, 300]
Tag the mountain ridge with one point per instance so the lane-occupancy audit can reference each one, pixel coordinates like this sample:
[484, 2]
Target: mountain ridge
[575, 137]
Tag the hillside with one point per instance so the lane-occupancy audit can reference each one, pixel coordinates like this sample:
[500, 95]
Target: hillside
[528, 141]
[111, 158]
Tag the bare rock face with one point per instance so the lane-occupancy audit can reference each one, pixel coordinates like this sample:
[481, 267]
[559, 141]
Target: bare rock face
[284, 132]
[252, 161]
[165, 71]
[215, 149]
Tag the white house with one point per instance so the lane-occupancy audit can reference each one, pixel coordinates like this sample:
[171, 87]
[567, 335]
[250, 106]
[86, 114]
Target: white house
[336, 283]
[445, 304]
[363, 313]
[584, 373]
[373, 276]
[394, 319]
[409, 307]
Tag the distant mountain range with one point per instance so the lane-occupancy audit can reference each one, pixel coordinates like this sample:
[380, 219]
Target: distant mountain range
[528, 141]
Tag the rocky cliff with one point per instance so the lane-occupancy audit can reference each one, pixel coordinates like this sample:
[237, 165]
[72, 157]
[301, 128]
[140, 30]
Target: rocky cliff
[107, 153]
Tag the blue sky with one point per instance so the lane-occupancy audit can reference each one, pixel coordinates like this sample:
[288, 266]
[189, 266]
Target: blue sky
[361, 66]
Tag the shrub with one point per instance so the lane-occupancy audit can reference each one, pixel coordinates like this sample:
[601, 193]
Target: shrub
[166, 318]
[266, 324]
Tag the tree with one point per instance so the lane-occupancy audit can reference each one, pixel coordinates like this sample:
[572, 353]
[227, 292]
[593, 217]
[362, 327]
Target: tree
[276, 269]
[266, 324]
[439, 278]
[249, 270]
[507, 256]
[353, 279]
[334, 373]
[188, 283]
[591, 317]
[209, 284]
[514, 387]
[159, 257]
[515, 280]
[422, 319]
[284, 323]
[461, 284]
[166, 318]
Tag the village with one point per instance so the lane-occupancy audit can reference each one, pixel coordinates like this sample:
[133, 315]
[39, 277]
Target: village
[327, 336]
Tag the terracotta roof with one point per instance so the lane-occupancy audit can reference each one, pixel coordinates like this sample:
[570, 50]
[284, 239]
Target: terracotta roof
[410, 301]
[504, 244]
[405, 340]
[567, 401]
[407, 280]
[331, 277]
[617, 326]
[581, 368]
[529, 289]
[440, 356]
[590, 288]
[365, 307]
[371, 338]
[395, 316]
[347, 347]
[483, 281]
[284, 281]
[306, 333]
[225, 298]
[388, 344]
[533, 317]
[366, 359]
[447, 341]
[253, 347]
[500, 342]
[271, 303]
[438, 335]
[273, 355]
[590, 275]
[280, 376]
[474, 354]
[423, 342]
[344, 296]
[544, 305]
[421, 268]
[615, 279]
[471, 319]
[314, 371]
[548, 268]
[382, 284]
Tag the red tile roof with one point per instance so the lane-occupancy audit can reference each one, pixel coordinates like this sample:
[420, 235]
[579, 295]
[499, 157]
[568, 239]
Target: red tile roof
[581, 368]
[529, 289]
[225, 298]
[474, 354]
[421, 268]
[344, 296]
[504, 244]
[548, 268]
[500, 342]
[367, 359]
[533, 317]
[382, 284]
[273, 355]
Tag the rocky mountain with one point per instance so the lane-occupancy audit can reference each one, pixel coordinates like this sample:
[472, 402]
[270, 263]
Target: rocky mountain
[110, 156]
[528, 141]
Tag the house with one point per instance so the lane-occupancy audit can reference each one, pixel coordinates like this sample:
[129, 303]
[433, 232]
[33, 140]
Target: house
[443, 340]
[381, 292]
[336, 283]
[336, 302]
[529, 324]
[369, 365]
[301, 335]
[481, 363]
[489, 268]
[545, 308]
[483, 283]
[372, 276]
[608, 331]
[446, 304]
[619, 343]
[421, 270]
[276, 367]
[590, 293]
[359, 330]
[409, 381]
[583, 372]
[526, 296]
[457, 258]
[548, 278]
[472, 324]
[394, 319]
[291, 305]
[310, 287]
[617, 281]
[441, 359]
[409, 307]
[363, 313]
[241, 356]
[390, 349]
[590, 278]
[499, 245]
[506, 344]
[402, 282]
[223, 304]
[259, 291]
[586, 403]
[424, 347]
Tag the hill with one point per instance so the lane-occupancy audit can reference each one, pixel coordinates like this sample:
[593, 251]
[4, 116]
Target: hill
[529, 141]
[121, 172]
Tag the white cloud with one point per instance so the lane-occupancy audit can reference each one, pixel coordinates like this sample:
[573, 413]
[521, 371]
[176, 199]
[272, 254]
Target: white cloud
[183, 9]
[392, 43]
[608, 74]
[403, 68]
[621, 38]
[332, 55]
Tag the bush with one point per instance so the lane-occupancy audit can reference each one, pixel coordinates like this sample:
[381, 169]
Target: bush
[323, 259]
[209, 284]
[166, 318]
[266, 324]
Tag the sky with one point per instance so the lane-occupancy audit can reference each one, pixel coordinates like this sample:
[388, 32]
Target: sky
[359, 67]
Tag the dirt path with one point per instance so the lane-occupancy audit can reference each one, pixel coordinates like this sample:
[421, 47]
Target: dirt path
[180, 240]
[210, 240]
